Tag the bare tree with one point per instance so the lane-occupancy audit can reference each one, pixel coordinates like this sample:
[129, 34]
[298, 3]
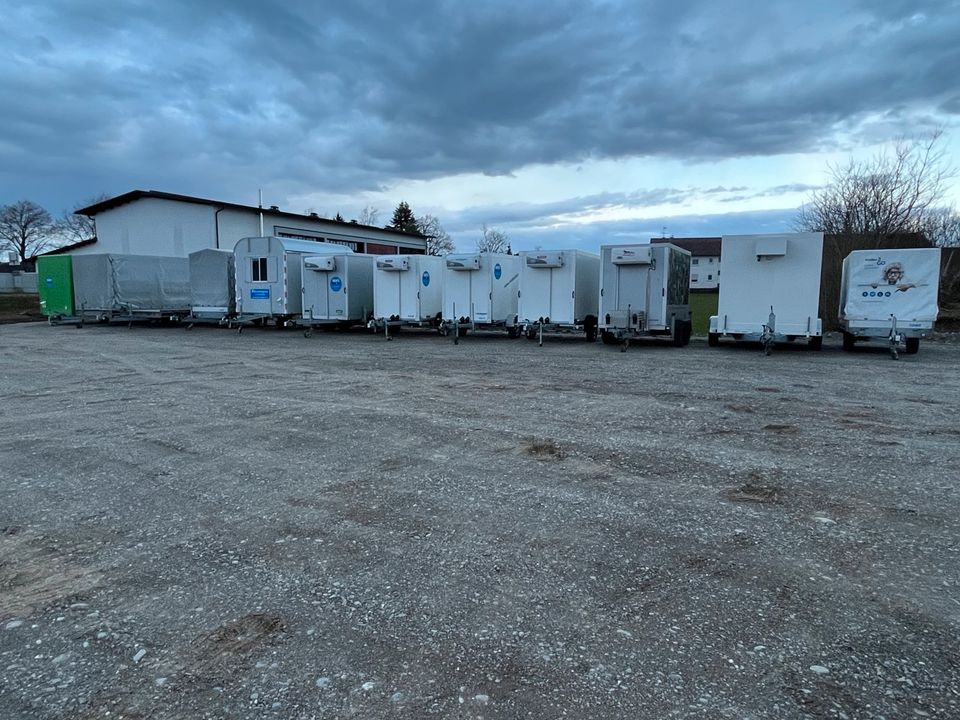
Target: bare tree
[888, 194]
[26, 228]
[368, 216]
[941, 226]
[493, 240]
[439, 241]
[75, 228]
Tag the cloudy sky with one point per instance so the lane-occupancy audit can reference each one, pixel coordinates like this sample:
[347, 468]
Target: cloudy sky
[561, 123]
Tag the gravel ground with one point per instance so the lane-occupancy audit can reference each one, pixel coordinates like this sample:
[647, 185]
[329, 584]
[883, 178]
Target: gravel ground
[204, 524]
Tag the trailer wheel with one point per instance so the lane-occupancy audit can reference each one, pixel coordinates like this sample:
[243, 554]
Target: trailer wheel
[608, 338]
[590, 323]
[849, 340]
[308, 332]
[912, 346]
[531, 333]
[513, 331]
[815, 343]
[713, 339]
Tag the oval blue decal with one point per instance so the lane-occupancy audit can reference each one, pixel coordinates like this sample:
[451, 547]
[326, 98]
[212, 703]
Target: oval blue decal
[336, 283]
[426, 278]
[497, 271]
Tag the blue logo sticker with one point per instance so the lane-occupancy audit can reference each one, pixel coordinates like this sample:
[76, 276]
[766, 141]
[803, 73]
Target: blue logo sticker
[336, 283]
[49, 282]
[426, 278]
[260, 293]
[497, 271]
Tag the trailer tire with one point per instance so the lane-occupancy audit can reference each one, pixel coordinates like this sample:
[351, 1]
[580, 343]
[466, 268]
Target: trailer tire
[461, 332]
[531, 333]
[849, 340]
[590, 323]
[815, 343]
[513, 331]
[713, 339]
[608, 338]
[912, 346]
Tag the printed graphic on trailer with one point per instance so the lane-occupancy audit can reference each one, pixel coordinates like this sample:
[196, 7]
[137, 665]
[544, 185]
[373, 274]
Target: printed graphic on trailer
[888, 278]
[336, 283]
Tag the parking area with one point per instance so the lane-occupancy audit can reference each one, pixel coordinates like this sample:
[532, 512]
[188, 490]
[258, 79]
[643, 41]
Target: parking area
[214, 524]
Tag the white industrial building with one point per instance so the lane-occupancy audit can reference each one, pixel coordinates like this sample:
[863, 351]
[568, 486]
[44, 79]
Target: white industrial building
[147, 222]
[705, 260]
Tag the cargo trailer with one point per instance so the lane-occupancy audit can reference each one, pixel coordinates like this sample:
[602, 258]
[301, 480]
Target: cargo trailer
[891, 295]
[109, 287]
[480, 293]
[770, 289]
[268, 277]
[559, 291]
[407, 292]
[55, 286]
[645, 292]
[213, 296]
[337, 290]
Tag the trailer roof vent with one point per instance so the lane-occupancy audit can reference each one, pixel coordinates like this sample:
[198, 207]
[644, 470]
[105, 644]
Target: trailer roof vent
[775, 246]
[275, 207]
[463, 262]
[320, 263]
[630, 256]
[393, 263]
[545, 260]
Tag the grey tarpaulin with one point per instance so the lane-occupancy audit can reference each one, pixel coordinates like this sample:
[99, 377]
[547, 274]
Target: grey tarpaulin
[131, 283]
[212, 282]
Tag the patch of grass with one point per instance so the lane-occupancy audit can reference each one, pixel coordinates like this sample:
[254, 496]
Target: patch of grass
[545, 450]
[754, 493]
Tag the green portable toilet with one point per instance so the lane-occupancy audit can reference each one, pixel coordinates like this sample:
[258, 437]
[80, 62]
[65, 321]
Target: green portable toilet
[55, 285]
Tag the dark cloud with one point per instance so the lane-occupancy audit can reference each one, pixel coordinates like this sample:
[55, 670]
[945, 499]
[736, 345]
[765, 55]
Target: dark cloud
[219, 98]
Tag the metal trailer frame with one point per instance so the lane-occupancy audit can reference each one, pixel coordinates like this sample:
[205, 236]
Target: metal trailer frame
[882, 293]
[421, 267]
[496, 273]
[268, 270]
[352, 270]
[661, 274]
[116, 288]
[793, 262]
[566, 301]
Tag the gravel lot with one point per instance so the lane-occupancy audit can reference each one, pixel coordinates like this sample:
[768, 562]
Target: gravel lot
[206, 524]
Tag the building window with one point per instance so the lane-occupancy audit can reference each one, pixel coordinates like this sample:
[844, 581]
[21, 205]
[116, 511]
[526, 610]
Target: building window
[694, 278]
[709, 277]
[259, 270]
[711, 261]
[696, 261]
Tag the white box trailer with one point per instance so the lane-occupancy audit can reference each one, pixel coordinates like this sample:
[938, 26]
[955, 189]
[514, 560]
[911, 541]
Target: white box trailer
[890, 294]
[559, 290]
[337, 289]
[645, 291]
[127, 287]
[407, 291]
[268, 279]
[770, 289]
[213, 295]
[480, 292]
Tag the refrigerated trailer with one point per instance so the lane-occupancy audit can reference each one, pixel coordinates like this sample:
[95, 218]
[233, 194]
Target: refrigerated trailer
[770, 289]
[480, 293]
[337, 289]
[645, 292]
[268, 277]
[407, 292]
[891, 295]
[213, 295]
[108, 287]
[559, 291]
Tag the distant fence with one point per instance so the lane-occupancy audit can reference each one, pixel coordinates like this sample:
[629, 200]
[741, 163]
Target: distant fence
[18, 282]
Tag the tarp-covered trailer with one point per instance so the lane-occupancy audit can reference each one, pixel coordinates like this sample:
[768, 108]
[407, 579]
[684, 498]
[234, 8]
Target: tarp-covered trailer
[213, 294]
[480, 292]
[645, 292]
[890, 294]
[268, 277]
[55, 286]
[559, 291]
[131, 287]
[407, 291]
[770, 289]
[337, 289]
